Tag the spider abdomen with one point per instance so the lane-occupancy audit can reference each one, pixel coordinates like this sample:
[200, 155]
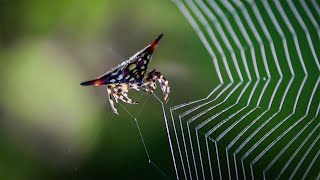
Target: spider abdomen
[132, 73]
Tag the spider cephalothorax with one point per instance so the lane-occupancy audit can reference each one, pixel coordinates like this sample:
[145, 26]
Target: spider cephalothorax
[131, 74]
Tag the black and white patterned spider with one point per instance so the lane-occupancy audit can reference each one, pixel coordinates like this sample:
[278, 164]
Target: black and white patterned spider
[131, 74]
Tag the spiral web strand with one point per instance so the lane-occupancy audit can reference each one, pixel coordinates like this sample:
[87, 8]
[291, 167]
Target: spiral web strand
[262, 120]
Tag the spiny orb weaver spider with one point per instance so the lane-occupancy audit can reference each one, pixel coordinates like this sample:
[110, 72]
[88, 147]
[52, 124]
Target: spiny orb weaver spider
[131, 74]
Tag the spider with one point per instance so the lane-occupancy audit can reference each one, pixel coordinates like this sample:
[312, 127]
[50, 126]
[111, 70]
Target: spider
[131, 74]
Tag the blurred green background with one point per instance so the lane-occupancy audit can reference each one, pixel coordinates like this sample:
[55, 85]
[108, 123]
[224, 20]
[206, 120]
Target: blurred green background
[53, 128]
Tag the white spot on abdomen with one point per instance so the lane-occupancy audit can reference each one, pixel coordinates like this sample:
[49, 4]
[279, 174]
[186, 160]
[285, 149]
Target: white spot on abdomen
[120, 77]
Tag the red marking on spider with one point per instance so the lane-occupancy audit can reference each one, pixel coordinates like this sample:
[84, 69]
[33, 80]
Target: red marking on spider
[98, 83]
[155, 43]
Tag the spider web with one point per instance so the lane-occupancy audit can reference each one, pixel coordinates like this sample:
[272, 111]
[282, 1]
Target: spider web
[262, 120]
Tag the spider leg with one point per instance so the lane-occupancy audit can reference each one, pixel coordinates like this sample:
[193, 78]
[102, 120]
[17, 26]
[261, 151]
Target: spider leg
[134, 86]
[150, 86]
[113, 89]
[126, 99]
[109, 91]
[115, 97]
[121, 93]
[164, 84]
